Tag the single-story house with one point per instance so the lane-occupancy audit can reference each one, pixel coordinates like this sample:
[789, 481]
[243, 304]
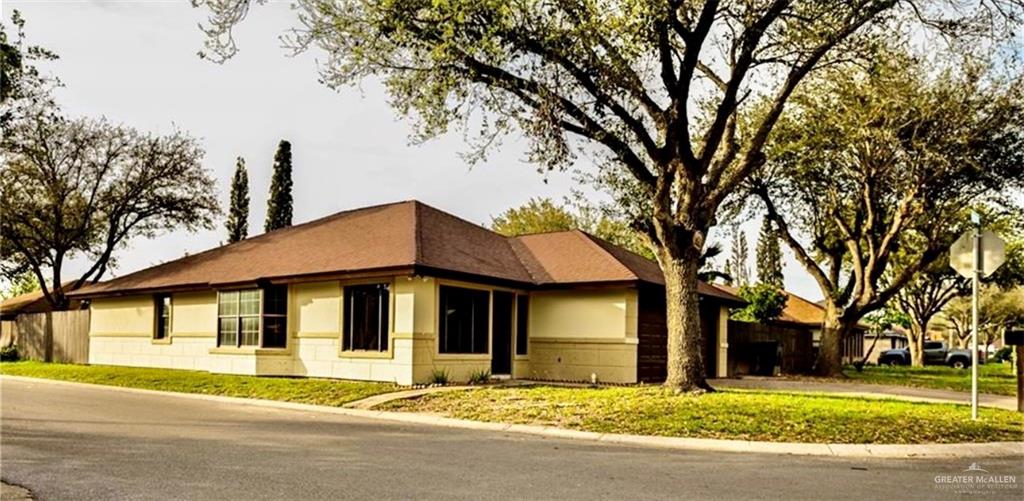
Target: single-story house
[888, 340]
[787, 344]
[394, 293]
[31, 302]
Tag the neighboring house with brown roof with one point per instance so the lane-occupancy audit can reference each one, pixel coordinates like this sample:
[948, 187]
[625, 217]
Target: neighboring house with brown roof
[802, 318]
[30, 302]
[394, 293]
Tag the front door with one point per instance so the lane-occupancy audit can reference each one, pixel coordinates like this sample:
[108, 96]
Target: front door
[501, 331]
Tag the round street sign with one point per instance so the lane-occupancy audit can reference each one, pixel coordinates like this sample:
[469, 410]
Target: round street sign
[993, 254]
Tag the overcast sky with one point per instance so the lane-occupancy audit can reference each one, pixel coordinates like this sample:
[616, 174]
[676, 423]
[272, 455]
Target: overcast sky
[135, 62]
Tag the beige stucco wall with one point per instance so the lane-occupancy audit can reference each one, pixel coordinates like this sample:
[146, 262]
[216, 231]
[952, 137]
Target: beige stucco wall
[194, 314]
[579, 334]
[596, 313]
[317, 308]
[572, 335]
[121, 333]
[131, 316]
[316, 336]
[426, 356]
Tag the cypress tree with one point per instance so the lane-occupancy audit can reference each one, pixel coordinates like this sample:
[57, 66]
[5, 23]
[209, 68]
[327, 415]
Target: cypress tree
[238, 212]
[769, 257]
[279, 205]
[738, 267]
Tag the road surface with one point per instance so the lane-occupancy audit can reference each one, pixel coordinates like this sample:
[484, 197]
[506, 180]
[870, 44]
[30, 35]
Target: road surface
[73, 442]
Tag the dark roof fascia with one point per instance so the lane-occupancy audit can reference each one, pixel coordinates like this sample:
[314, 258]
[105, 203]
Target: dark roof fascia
[286, 279]
[724, 300]
[599, 284]
[443, 273]
[722, 297]
[341, 275]
[141, 291]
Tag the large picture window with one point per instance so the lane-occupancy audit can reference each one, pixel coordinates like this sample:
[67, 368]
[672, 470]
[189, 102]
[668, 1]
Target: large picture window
[464, 317]
[366, 318]
[163, 316]
[240, 316]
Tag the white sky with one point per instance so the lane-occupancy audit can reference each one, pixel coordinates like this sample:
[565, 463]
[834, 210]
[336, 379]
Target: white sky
[135, 62]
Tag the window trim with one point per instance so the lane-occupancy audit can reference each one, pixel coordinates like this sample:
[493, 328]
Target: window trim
[158, 309]
[238, 346]
[525, 355]
[438, 282]
[337, 336]
[264, 314]
[490, 313]
[384, 348]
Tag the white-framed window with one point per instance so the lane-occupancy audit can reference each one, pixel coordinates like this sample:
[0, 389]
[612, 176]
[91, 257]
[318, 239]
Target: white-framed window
[253, 317]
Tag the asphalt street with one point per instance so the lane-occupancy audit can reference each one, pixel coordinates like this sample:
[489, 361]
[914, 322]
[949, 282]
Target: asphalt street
[70, 442]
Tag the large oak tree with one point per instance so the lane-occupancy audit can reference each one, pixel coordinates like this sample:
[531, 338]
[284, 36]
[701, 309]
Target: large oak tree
[653, 87]
[873, 170]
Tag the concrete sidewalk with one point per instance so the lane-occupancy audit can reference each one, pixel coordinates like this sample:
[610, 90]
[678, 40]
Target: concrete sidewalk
[867, 390]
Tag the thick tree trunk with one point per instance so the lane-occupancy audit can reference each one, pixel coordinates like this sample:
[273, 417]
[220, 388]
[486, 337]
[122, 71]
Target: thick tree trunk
[915, 348]
[685, 353]
[830, 349]
[915, 343]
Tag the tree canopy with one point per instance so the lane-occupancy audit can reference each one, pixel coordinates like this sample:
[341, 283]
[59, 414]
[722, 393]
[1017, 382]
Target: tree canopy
[539, 215]
[660, 92]
[765, 302]
[80, 188]
[872, 170]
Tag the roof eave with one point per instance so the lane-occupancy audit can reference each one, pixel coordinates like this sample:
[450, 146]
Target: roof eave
[283, 279]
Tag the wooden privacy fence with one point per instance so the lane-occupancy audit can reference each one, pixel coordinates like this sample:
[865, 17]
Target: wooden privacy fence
[59, 336]
[756, 348]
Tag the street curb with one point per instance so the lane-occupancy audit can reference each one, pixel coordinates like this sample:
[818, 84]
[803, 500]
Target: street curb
[879, 451]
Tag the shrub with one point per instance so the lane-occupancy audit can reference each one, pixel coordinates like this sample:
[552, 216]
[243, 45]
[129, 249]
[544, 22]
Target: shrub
[1004, 354]
[439, 377]
[9, 354]
[480, 377]
[764, 303]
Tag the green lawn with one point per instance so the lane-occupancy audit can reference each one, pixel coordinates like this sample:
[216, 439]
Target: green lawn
[994, 378]
[302, 390]
[745, 415]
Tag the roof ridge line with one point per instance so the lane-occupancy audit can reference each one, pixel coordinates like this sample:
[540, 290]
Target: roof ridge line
[590, 239]
[417, 234]
[515, 243]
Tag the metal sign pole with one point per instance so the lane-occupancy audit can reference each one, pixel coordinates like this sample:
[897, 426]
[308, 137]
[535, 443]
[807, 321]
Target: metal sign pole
[974, 321]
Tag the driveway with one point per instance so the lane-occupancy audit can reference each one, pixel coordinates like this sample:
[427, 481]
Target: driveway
[70, 442]
[869, 390]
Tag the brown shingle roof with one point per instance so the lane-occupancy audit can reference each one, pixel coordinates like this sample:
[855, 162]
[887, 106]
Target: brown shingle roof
[798, 310]
[397, 236]
[578, 257]
[33, 301]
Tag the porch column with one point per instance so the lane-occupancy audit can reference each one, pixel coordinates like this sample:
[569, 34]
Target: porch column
[722, 360]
